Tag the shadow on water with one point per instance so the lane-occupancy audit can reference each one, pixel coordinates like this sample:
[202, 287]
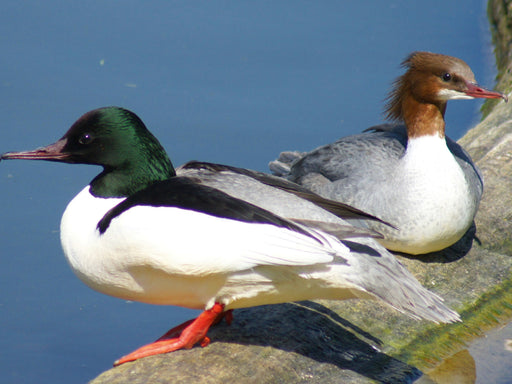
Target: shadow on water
[317, 333]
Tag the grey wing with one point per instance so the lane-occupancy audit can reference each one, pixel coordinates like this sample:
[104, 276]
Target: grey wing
[267, 190]
[282, 202]
[332, 170]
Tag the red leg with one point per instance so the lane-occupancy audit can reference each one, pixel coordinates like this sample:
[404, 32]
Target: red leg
[176, 331]
[228, 315]
[183, 336]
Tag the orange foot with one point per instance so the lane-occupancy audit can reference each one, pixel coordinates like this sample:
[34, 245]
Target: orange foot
[184, 336]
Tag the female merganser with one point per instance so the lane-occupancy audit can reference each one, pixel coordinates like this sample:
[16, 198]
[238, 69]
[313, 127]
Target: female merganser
[414, 177]
[139, 232]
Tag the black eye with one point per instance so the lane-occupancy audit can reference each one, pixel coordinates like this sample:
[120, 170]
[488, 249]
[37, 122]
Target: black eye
[447, 77]
[85, 138]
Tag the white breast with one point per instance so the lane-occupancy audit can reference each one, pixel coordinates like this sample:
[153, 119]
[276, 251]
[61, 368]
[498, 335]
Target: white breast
[79, 236]
[433, 195]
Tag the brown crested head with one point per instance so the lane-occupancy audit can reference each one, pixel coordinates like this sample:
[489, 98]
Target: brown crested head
[432, 78]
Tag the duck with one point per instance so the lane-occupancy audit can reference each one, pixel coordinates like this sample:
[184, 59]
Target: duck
[140, 231]
[406, 172]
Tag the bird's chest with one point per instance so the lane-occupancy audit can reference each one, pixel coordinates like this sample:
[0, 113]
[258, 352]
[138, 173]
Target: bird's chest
[434, 185]
[80, 237]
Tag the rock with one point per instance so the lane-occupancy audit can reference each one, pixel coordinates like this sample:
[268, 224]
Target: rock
[360, 341]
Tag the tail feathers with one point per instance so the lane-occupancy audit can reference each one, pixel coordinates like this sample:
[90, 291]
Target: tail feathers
[388, 280]
[282, 166]
[419, 303]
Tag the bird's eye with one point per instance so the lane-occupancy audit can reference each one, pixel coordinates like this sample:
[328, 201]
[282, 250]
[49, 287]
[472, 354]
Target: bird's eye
[447, 77]
[86, 138]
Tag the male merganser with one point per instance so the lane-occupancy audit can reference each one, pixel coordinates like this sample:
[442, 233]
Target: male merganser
[415, 178]
[139, 232]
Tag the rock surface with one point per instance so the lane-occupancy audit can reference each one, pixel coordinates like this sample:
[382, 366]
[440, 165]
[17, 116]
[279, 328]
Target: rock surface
[358, 341]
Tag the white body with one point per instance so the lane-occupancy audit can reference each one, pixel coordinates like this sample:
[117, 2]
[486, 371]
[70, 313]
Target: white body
[163, 255]
[435, 205]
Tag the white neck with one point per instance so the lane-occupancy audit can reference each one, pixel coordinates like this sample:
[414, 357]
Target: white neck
[428, 146]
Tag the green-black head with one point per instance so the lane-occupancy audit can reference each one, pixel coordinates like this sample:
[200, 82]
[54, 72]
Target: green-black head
[115, 138]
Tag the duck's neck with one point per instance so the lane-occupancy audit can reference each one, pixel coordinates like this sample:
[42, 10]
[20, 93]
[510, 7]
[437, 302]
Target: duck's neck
[423, 119]
[125, 181]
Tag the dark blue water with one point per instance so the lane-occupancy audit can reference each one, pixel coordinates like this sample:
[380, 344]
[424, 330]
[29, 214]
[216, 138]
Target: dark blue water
[231, 82]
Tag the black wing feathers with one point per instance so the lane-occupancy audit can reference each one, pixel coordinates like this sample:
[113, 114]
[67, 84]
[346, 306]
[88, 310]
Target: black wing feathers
[184, 193]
